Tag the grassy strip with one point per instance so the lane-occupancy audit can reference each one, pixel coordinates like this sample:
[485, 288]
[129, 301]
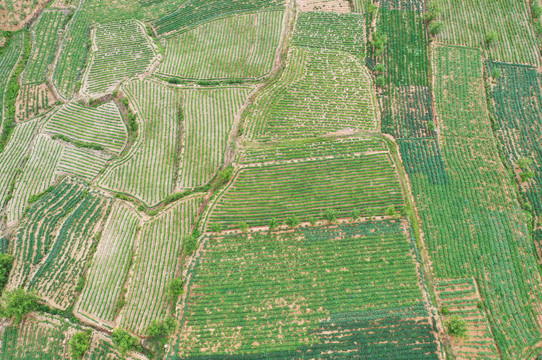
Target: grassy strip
[78, 143]
[12, 91]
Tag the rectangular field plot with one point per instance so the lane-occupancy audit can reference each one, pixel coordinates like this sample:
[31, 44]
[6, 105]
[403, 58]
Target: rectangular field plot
[289, 150]
[148, 170]
[466, 22]
[322, 30]
[236, 47]
[461, 298]
[405, 53]
[8, 61]
[517, 104]
[196, 12]
[473, 224]
[305, 293]
[45, 38]
[367, 183]
[155, 265]
[334, 6]
[102, 126]
[32, 101]
[404, 5]
[110, 265]
[319, 92]
[123, 50]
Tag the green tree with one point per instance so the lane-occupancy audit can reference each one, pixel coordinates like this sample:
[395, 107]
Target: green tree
[243, 226]
[435, 28]
[216, 227]
[190, 244]
[390, 211]
[496, 74]
[17, 303]
[123, 341]
[330, 215]
[175, 288]
[6, 263]
[273, 224]
[292, 221]
[490, 37]
[312, 220]
[79, 344]
[456, 326]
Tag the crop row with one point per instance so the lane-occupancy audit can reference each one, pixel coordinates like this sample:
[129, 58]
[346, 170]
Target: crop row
[404, 5]
[45, 37]
[276, 288]
[38, 174]
[195, 12]
[123, 51]
[323, 30]
[208, 117]
[8, 60]
[319, 92]
[12, 156]
[236, 47]
[310, 148]
[33, 100]
[473, 224]
[102, 125]
[517, 106]
[468, 22]
[147, 171]
[367, 184]
[110, 265]
[155, 265]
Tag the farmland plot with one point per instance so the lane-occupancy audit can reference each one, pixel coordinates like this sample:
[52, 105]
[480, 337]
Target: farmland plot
[196, 12]
[45, 337]
[109, 269]
[367, 183]
[148, 170]
[288, 150]
[208, 117]
[123, 50]
[404, 5]
[13, 155]
[473, 224]
[51, 261]
[8, 61]
[81, 163]
[306, 292]
[319, 92]
[15, 13]
[33, 100]
[241, 46]
[101, 126]
[45, 38]
[322, 30]
[335, 6]
[405, 53]
[37, 175]
[460, 297]
[466, 22]
[156, 263]
[517, 104]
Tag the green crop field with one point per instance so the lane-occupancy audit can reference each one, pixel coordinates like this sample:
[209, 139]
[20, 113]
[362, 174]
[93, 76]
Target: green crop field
[123, 51]
[319, 92]
[194, 12]
[243, 46]
[45, 38]
[287, 294]
[366, 183]
[270, 179]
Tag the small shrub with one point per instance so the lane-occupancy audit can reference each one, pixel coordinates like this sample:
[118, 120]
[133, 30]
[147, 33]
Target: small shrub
[123, 341]
[445, 311]
[6, 263]
[431, 126]
[330, 215]
[292, 221]
[273, 224]
[79, 344]
[496, 74]
[380, 81]
[490, 37]
[216, 228]
[190, 244]
[312, 220]
[536, 10]
[175, 288]
[243, 226]
[390, 211]
[435, 28]
[456, 326]
[17, 303]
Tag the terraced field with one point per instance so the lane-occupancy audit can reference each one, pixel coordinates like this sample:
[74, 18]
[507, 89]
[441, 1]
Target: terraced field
[319, 92]
[367, 184]
[244, 46]
[290, 294]
[270, 179]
